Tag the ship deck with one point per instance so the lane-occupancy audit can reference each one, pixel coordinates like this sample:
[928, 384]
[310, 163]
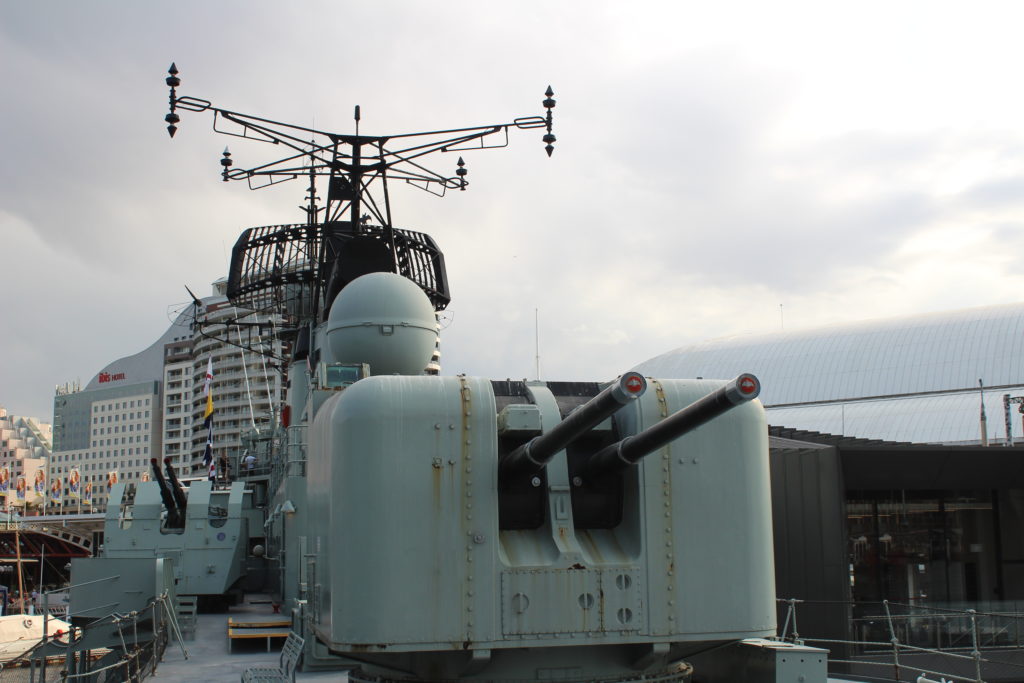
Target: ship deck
[211, 659]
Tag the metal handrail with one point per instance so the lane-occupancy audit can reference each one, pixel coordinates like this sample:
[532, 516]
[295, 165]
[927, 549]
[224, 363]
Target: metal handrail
[136, 661]
[904, 632]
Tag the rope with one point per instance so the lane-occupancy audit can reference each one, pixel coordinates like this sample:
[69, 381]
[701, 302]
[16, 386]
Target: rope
[93, 672]
[263, 358]
[245, 373]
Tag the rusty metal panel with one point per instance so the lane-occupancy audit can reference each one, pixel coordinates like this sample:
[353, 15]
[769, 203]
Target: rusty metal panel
[621, 603]
[401, 495]
[577, 601]
[537, 601]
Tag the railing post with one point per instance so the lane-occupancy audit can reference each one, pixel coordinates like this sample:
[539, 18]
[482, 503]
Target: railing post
[893, 639]
[156, 643]
[975, 651]
[46, 624]
[785, 624]
[796, 633]
[158, 626]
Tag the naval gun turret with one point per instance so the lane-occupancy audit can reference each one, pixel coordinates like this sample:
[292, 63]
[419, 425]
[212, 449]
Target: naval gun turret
[457, 527]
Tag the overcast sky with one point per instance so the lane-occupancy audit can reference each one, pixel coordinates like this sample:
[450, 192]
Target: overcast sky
[714, 160]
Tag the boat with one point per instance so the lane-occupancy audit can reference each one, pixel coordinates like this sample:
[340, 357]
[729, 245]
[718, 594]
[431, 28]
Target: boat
[19, 633]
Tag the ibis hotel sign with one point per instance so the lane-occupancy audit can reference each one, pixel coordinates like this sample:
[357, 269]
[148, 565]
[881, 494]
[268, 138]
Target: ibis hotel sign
[110, 377]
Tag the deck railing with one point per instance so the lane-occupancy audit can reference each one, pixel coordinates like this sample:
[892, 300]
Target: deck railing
[143, 636]
[894, 641]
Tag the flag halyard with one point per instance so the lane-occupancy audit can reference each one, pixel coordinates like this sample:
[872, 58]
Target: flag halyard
[208, 461]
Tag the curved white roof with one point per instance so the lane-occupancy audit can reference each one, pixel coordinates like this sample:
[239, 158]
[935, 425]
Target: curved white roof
[903, 379]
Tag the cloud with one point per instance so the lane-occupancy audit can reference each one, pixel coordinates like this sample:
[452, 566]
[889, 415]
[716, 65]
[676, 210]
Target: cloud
[706, 169]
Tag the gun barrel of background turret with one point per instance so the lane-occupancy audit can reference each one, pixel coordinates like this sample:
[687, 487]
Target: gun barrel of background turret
[180, 499]
[630, 450]
[532, 456]
[174, 519]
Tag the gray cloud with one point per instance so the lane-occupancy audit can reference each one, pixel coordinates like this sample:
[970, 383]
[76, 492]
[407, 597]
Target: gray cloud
[670, 212]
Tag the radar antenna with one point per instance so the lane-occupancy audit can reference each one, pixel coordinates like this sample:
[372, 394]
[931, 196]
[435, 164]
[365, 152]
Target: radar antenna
[299, 268]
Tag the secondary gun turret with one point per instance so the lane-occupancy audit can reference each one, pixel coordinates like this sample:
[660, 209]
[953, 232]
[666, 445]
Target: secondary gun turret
[533, 455]
[630, 450]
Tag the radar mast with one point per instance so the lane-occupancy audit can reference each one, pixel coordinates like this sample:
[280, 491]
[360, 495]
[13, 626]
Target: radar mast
[298, 269]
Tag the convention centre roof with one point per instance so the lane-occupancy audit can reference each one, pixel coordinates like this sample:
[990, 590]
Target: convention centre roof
[904, 379]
